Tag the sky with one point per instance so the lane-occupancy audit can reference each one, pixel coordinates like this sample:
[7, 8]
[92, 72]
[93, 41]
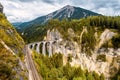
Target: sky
[26, 10]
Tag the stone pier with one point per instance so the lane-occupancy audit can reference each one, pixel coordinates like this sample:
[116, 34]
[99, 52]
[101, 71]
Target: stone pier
[36, 46]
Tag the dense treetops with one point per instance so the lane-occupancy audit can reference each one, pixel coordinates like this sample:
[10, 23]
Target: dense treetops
[93, 24]
[52, 68]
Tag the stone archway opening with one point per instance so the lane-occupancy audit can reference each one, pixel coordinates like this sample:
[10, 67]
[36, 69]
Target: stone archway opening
[35, 46]
[31, 46]
[47, 48]
[41, 45]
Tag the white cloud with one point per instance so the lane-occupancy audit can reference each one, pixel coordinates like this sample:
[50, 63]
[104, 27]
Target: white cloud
[21, 11]
[26, 10]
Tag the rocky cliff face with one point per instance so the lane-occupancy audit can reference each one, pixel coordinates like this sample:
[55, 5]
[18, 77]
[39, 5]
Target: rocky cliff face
[1, 8]
[11, 51]
[103, 60]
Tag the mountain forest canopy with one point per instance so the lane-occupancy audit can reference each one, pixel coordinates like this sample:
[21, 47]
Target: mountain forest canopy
[78, 44]
[69, 12]
[52, 68]
[49, 68]
[37, 33]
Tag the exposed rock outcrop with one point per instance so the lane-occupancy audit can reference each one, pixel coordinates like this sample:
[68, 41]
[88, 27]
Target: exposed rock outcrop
[1, 8]
[105, 36]
[79, 58]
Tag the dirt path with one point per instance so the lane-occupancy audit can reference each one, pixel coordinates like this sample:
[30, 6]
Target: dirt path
[33, 74]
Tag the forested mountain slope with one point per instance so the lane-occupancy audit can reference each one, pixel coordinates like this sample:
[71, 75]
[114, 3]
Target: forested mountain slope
[92, 40]
[93, 24]
[11, 52]
[69, 12]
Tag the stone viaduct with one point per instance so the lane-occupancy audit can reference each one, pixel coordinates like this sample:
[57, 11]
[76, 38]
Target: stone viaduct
[47, 47]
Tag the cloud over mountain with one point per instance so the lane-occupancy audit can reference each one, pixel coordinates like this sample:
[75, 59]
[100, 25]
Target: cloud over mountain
[25, 10]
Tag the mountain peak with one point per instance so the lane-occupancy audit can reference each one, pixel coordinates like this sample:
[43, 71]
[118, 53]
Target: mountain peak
[65, 12]
[68, 11]
[68, 6]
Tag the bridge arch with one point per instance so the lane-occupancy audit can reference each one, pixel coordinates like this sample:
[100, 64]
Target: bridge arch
[43, 47]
